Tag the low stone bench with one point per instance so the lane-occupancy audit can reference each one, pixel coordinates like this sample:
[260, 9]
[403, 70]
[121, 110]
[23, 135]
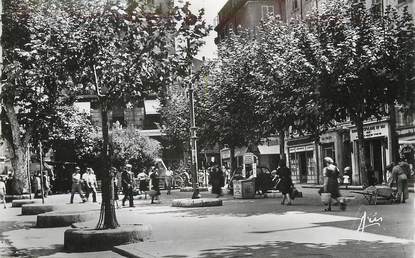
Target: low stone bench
[89, 239]
[10, 198]
[35, 209]
[19, 203]
[64, 219]
[202, 202]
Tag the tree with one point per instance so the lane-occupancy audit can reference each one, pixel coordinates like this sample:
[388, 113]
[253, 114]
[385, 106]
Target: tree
[357, 75]
[124, 55]
[128, 146]
[286, 74]
[229, 112]
[119, 52]
[36, 67]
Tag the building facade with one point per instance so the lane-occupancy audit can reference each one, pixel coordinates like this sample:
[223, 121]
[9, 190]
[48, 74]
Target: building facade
[305, 155]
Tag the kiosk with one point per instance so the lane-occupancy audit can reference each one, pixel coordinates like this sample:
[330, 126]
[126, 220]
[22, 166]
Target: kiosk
[245, 189]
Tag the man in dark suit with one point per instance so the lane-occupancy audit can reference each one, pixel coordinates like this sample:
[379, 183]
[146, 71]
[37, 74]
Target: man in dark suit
[127, 185]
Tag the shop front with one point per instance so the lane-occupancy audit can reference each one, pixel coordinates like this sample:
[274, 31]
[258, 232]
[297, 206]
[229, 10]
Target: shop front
[336, 145]
[269, 156]
[377, 146]
[302, 163]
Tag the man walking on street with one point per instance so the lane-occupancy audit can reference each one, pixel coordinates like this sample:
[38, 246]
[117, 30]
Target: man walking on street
[93, 184]
[169, 179]
[76, 184]
[127, 185]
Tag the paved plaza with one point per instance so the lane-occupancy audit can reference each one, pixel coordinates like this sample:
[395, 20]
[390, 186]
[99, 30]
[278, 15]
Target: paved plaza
[239, 228]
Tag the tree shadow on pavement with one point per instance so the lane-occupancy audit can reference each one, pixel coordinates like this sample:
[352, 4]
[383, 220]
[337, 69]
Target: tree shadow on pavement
[346, 249]
[8, 250]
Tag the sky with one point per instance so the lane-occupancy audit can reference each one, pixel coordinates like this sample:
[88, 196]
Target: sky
[212, 8]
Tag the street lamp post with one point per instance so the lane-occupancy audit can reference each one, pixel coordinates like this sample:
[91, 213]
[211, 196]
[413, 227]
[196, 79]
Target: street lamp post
[193, 142]
[193, 128]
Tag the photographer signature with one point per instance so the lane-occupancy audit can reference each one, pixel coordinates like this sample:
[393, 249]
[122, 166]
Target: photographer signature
[371, 221]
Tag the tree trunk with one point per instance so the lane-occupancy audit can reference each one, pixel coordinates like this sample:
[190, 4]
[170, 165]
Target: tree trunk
[361, 153]
[108, 218]
[319, 174]
[281, 134]
[20, 179]
[394, 135]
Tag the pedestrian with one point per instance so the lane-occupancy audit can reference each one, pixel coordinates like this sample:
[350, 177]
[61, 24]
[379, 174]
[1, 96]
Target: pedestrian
[127, 178]
[331, 184]
[77, 185]
[169, 179]
[3, 191]
[285, 183]
[370, 175]
[400, 176]
[143, 184]
[37, 187]
[217, 180]
[114, 176]
[92, 184]
[154, 185]
[85, 183]
[388, 174]
[46, 184]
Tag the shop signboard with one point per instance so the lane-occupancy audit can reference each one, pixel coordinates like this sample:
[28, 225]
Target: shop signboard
[225, 153]
[371, 131]
[309, 148]
[237, 189]
[301, 149]
[249, 158]
[327, 138]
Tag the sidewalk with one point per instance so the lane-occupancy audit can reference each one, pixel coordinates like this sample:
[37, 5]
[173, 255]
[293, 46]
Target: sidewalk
[239, 228]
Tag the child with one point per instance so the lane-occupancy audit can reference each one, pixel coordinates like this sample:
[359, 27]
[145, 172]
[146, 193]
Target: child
[3, 191]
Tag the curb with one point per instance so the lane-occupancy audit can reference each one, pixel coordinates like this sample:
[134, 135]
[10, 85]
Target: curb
[347, 187]
[190, 189]
[137, 253]
[192, 203]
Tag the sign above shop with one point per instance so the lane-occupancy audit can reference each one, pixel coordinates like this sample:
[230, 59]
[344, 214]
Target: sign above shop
[371, 131]
[327, 138]
[225, 153]
[302, 148]
[249, 158]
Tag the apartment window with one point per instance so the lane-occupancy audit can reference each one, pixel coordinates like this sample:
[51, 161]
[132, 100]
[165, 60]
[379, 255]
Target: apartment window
[267, 11]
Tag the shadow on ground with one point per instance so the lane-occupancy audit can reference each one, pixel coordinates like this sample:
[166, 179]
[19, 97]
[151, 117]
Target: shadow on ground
[348, 248]
[8, 250]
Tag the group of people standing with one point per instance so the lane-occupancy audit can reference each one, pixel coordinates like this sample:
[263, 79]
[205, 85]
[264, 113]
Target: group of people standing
[46, 179]
[147, 183]
[86, 183]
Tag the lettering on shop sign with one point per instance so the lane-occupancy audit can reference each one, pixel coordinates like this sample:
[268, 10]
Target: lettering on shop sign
[371, 131]
[366, 221]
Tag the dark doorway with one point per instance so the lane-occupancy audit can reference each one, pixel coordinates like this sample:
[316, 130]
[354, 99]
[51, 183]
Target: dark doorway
[302, 167]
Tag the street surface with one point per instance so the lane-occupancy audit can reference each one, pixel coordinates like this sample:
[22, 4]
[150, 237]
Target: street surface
[239, 228]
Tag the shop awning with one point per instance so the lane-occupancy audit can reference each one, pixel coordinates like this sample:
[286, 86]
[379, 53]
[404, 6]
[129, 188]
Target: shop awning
[269, 150]
[407, 140]
[240, 151]
[152, 106]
